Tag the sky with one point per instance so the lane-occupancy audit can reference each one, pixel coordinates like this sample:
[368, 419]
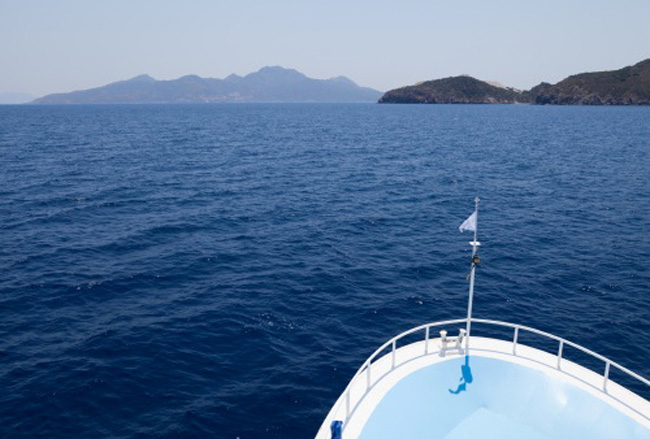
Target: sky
[49, 46]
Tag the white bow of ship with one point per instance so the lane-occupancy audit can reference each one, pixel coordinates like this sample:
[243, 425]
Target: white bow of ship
[439, 380]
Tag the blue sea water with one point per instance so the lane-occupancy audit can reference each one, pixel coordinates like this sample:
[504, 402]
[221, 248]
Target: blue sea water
[222, 270]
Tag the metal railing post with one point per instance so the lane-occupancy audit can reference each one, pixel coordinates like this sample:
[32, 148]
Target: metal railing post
[368, 377]
[426, 340]
[559, 353]
[514, 341]
[606, 376]
[393, 356]
[347, 406]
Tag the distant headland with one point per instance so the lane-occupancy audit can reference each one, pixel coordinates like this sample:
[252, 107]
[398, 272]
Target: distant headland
[627, 86]
[269, 84]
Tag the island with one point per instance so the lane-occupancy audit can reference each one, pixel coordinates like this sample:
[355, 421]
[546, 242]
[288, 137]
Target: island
[269, 84]
[627, 86]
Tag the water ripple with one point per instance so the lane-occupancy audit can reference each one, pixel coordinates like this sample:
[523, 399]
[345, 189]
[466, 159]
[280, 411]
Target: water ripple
[221, 271]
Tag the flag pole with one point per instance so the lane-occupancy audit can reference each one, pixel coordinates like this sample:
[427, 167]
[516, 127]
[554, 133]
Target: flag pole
[475, 261]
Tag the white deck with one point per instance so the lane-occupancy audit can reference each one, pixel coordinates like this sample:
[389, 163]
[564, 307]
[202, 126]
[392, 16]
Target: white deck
[365, 395]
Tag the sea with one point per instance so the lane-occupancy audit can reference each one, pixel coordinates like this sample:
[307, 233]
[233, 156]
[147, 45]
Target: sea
[221, 271]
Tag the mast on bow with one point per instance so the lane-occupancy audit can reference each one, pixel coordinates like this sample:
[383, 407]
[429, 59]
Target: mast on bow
[471, 224]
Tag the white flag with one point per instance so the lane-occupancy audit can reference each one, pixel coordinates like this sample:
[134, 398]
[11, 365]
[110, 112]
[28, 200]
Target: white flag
[469, 223]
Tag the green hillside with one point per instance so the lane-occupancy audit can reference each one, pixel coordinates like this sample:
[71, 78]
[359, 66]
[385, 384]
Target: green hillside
[627, 86]
[455, 90]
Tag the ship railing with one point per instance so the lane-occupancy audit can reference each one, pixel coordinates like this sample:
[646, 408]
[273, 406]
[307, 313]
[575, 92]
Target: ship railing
[365, 371]
[608, 364]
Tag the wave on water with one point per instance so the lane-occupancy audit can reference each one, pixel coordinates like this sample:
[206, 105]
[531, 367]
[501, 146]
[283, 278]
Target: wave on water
[222, 271]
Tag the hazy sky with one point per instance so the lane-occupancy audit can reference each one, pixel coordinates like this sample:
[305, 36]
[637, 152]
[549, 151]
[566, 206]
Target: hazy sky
[51, 46]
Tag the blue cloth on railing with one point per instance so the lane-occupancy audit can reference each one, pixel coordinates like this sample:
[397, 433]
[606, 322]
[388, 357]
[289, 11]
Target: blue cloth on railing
[336, 429]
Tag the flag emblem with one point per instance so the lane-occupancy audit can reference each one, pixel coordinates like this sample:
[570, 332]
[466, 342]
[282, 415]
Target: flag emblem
[469, 223]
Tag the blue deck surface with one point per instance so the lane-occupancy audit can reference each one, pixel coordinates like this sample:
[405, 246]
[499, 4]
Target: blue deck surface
[487, 398]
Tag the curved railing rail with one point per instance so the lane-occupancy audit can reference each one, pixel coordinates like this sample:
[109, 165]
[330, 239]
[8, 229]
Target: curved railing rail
[561, 343]
[366, 367]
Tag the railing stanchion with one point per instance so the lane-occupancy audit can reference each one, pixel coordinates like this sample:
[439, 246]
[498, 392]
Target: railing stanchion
[393, 355]
[426, 340]
[514, 341]
[606, 377]
[347, 405]
[559, 353]
[368, 377]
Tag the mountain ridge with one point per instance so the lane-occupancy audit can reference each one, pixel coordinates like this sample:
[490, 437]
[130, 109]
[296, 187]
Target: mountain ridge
[627, 86]
[268, 84]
